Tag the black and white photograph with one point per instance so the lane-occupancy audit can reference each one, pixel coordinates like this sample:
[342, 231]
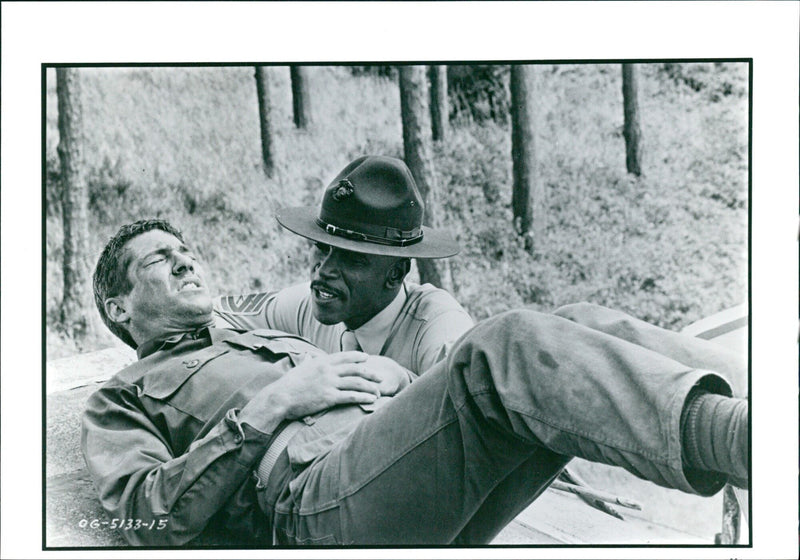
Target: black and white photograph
[346, 300]
[305, 196]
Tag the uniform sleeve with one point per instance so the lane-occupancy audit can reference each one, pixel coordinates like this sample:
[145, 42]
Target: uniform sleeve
[438, 335]
[285, 310]
[155, 497]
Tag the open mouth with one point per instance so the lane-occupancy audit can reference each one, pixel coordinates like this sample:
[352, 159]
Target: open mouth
[189, 286]
[323, 293]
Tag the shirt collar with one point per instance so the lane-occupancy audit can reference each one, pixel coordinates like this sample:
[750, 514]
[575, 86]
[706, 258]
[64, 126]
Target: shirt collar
[162, 343]
[372, 335]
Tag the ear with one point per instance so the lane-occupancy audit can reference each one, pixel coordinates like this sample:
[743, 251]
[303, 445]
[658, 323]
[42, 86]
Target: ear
[398, 272]
[116, 310]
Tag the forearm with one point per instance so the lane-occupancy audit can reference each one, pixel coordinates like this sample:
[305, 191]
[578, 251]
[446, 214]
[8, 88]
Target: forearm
[265, 412]
[226, 464]
[168, 500]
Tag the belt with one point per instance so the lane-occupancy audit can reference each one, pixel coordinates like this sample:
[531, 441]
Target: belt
[275, 448]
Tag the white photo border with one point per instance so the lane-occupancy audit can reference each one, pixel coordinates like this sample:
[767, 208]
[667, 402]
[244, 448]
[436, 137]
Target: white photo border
[169, 32]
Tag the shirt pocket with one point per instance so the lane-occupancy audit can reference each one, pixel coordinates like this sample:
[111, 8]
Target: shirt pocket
[277, 343]
[163, 381]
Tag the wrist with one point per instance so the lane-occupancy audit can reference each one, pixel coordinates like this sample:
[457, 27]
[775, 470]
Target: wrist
[265, 411]
[407, 379]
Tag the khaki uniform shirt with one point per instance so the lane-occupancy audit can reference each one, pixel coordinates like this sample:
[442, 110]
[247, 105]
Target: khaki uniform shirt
[426, 326]
[164, 445]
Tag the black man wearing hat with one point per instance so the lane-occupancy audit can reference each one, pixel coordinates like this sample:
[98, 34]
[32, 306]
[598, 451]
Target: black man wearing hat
[365, 232]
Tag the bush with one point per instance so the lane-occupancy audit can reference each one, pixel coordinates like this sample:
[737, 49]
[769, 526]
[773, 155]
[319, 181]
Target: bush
[108, 190]
[478, 93]
[715, 80]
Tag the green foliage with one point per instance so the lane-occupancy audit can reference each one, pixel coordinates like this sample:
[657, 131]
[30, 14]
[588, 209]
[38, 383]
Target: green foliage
[669, 247]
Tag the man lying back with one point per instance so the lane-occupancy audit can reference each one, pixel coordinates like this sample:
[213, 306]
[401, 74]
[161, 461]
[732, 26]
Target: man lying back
[261, 434]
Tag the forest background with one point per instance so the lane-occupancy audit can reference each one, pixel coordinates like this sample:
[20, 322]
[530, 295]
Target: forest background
[669, 246]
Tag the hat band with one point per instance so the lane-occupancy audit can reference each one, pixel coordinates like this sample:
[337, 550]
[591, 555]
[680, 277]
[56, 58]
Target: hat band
[399, 238]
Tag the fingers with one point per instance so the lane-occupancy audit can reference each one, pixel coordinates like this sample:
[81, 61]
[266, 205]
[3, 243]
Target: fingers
[357, 369]
[354, 383]
[351, 356]
[355, 397]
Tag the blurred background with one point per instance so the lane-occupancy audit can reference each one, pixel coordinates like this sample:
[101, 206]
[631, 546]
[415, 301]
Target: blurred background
[635, 201]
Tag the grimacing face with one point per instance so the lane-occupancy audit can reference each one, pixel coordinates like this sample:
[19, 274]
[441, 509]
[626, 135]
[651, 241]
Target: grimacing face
[169, 292]
[347, 286]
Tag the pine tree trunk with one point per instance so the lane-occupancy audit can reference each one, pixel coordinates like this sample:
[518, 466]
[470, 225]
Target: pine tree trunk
[76, 305]
[301, 103]
[631, 130]
[262, 91]
[527, 198]
[439, 106]
[418, 156]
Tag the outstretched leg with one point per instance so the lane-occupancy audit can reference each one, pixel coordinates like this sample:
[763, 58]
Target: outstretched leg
[521, 390]
[689, 350]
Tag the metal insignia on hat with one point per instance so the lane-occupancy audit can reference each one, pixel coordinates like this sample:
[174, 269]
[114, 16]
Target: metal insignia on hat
[343, 190]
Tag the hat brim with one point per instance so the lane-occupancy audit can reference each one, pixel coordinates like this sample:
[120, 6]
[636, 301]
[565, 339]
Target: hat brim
[435, 244]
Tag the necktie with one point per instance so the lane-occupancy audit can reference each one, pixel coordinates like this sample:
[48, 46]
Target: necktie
[349, 342]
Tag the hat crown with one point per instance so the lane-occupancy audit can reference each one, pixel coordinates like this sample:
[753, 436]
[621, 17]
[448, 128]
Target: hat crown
[374, 207]
[376, 196]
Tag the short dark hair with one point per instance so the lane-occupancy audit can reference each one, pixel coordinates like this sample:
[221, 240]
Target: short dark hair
[111, 273]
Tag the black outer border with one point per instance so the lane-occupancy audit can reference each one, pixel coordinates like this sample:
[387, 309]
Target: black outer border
[46, 65]
[44, 303]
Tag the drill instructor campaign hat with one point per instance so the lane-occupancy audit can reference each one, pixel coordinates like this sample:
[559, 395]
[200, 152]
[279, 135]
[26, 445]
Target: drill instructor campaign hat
[373, 206]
